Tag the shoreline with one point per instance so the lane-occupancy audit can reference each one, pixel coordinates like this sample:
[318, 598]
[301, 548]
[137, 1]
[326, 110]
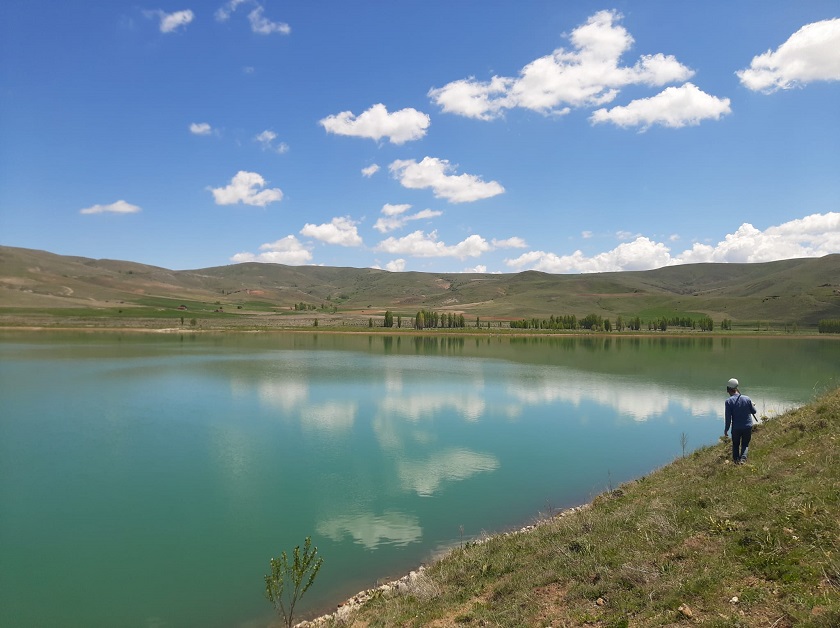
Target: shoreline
[422, 332]
[397, 586]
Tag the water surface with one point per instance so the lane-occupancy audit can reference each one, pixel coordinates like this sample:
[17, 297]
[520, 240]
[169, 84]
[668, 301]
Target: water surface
[146, 480]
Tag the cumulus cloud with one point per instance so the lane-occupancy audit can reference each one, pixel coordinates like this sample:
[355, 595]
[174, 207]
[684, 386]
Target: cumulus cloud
[420, 244]
[641, 254]
[811, 54]
[674, 107]
[396, 266]
[394, 217]
[246, 188]
[370, 170]
[286, 250]
[588, 75]
[170, 22]
[434, 173]
[813, 236]
[120, 207]
[399, 127]
[341, 231]
[200, 128]
[266, 140]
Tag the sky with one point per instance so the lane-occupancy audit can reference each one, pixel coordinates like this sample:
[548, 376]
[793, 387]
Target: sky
[438, 136]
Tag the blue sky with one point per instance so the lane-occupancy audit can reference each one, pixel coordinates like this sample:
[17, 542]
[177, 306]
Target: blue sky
[437, 136]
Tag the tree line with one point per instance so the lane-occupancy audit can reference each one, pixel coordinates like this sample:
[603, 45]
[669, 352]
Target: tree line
[829, 326]
[595, 322]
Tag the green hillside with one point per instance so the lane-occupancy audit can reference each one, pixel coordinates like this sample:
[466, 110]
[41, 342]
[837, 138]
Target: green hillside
[37, 285]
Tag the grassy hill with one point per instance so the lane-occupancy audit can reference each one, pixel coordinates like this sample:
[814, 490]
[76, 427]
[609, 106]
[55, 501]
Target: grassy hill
[44, 286]
[699, 542]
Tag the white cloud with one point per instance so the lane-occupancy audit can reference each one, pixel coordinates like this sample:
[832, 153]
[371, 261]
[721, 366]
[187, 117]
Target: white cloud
[170, 22]
[394, 217]
[259, 23]
[243, 189]
[341, 231]
[674, 107]
[395, 210]
[120, 207]
[286, 250]
[399, 127]
[418, 244]
[370, 170]
[510, 243]
[586, 235]
[641, 254]
[224, 12]
[396, 266]
[263, 26]
[266, 140]
[811, 54]
[813, 236]
[589, 75]
[200, 128]
[433, 173]
[481, 268]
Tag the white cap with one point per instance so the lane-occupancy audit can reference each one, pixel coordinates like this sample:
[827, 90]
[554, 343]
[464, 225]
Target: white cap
[732, 383]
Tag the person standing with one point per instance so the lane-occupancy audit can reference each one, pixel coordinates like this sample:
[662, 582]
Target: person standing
[739, 413]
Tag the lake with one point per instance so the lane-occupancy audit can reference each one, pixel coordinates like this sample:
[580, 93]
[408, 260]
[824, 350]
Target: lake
[146, 479]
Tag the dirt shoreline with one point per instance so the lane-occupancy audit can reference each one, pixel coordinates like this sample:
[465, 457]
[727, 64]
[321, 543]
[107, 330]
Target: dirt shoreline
[421, 332]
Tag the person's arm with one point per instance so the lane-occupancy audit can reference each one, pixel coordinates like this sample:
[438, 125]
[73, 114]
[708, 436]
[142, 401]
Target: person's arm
[728, 415]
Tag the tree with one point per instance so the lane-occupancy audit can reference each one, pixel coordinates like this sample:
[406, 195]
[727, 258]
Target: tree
[389, 318]
[303, 567]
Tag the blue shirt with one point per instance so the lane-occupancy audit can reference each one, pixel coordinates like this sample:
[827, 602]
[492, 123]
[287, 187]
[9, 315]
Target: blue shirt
[739, 412]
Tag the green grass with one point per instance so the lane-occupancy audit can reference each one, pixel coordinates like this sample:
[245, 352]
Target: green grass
[693, 535]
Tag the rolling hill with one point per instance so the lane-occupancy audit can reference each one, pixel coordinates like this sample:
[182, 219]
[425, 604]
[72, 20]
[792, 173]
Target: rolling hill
[42, 284]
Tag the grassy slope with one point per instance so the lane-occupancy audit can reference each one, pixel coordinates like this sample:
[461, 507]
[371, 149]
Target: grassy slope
[800, 290]
[675, 547]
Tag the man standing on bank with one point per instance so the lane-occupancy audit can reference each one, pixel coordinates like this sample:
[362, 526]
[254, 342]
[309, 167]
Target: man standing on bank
[739, 412]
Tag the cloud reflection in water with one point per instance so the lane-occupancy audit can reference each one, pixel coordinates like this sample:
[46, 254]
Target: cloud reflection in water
[372, 531]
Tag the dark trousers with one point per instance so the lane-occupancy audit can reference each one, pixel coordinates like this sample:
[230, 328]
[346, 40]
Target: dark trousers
[741, 443]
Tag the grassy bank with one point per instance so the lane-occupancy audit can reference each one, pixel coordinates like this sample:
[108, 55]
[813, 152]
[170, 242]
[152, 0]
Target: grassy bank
[700, 542]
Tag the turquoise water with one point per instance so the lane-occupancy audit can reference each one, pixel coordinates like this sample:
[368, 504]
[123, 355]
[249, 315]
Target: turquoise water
[146, 480]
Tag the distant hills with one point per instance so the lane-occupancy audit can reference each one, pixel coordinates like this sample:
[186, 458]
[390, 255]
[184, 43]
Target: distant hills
[43, 284]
